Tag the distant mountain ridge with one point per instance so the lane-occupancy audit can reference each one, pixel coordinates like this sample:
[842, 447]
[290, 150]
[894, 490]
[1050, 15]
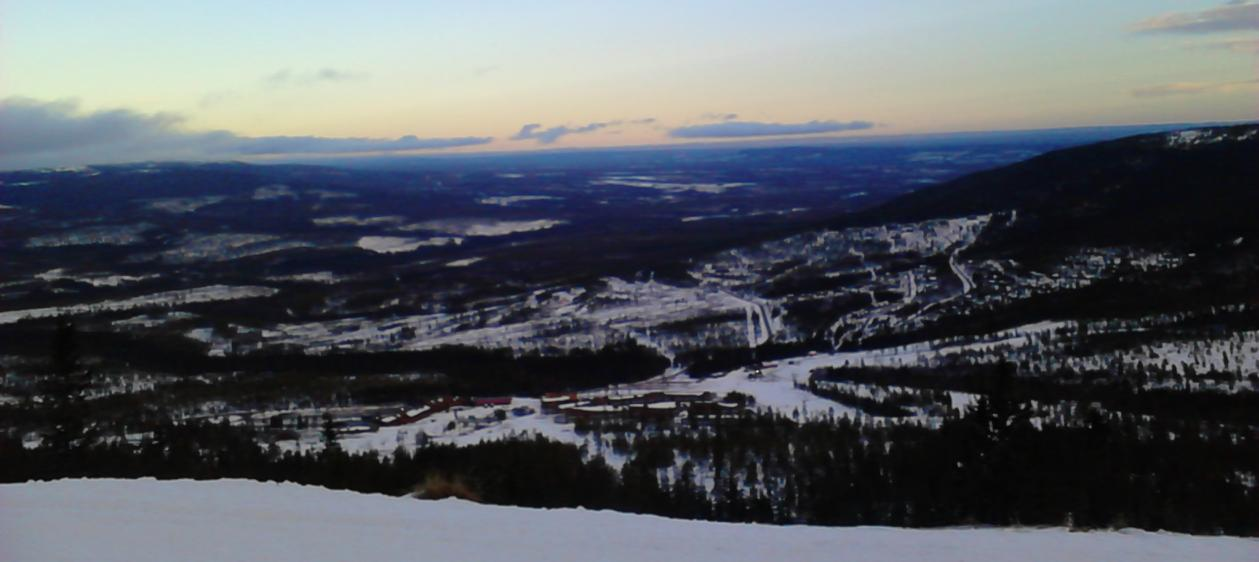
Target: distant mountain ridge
[1187, 186]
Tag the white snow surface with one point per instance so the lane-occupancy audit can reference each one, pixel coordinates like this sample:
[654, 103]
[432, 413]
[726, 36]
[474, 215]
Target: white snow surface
[140, 520]
[468, 227]
[398, 244]
[511, 200]
[464, 262]
[472, 425]
[355, 220]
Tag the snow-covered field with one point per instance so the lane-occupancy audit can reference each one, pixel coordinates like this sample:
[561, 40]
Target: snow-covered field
[164, 299]
[667, 185]
[564, 319]
[462, 426]
[93, 279]
[139, 520]
[353, 220]
[398, 244]
[225, 247]
[275, 191]
[480, 227]
[121, 235]
[324, 277]
[181, 205]
[512, 200]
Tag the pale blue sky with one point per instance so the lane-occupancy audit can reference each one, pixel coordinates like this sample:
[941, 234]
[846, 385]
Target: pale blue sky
[481, 69]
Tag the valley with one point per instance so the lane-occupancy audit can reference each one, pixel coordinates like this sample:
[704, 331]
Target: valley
[391, 313]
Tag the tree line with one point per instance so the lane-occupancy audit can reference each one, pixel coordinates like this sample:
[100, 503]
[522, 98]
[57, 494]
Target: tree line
[991, 466]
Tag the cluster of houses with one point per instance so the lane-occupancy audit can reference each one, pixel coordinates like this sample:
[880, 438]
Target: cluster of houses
[369, 421]
[638, 406]
[412, 415]
[566, 407]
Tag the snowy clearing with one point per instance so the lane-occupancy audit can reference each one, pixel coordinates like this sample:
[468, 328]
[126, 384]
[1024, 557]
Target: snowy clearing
[272, 192]
[168, 298]
[137, 520]
[225, 247]
[564, 319]
[93, 279]
[181, 205]
[461, 426]
[322, 277]
[398, 244]
[463, 262]
[122, 235]
[511, 200]
[666, 185]
[480, 227]
[354, 220]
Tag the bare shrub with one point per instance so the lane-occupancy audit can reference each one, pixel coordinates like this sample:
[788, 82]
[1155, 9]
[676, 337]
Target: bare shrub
[437, 486]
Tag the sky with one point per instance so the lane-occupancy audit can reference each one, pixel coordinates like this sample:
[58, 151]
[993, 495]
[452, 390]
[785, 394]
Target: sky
[85, 81]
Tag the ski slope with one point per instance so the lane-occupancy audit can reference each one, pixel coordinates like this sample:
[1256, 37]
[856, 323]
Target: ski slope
[140, 520]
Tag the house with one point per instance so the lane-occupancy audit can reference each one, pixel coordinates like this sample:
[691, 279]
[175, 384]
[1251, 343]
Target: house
[635, 398]
[284, 420]
[666, 409]
[411, 415]
[715, 410]
[496, 401]
[594, 411]
[689, 396]
[355, 427]
[552, 401]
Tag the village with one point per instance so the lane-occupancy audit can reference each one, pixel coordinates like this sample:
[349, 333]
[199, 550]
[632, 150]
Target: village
[469, 420]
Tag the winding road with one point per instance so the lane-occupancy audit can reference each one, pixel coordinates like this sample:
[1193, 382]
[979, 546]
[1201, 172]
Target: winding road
[968, 283]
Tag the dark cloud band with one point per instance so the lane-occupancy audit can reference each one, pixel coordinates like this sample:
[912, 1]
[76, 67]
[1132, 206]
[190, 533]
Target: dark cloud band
[743, 129]
[535, 132]
[55, 133]
[1234, 16]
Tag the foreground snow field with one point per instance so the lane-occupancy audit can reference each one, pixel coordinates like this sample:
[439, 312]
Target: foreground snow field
[136, 520]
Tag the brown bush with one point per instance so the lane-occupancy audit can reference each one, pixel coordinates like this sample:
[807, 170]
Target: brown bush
[437, 486]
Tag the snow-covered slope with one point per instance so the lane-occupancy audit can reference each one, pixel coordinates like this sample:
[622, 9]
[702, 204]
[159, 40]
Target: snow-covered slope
[136, 520]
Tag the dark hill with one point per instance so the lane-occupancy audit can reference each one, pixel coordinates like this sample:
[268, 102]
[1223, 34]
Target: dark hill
[1170, 188]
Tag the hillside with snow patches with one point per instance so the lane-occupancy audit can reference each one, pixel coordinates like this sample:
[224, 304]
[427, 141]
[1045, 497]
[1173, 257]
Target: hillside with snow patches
[139, 520]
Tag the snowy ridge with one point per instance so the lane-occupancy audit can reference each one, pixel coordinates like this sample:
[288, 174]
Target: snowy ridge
[138, 520]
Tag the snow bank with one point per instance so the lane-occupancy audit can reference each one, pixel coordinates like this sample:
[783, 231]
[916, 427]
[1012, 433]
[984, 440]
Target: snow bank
[137, 520]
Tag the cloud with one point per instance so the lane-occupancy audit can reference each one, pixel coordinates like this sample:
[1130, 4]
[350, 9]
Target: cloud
[1233, 16]
[1194, 88]
[215, 98]
[1234, 45]
[56, 133]
[719, 116]
[738, 129]
[289, 77]
[326, 145]
[30, 126]
[535, 132]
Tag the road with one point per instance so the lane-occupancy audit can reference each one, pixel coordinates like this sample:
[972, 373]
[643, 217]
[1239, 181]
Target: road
[964, 276]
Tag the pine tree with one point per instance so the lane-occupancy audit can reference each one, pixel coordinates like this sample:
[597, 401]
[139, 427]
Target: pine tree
[329, 433]
[1000, 417]
[63, 387]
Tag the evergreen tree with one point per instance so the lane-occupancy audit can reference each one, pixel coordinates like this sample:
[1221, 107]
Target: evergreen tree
[63, 386]
[1001, 419]
[329, 434]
